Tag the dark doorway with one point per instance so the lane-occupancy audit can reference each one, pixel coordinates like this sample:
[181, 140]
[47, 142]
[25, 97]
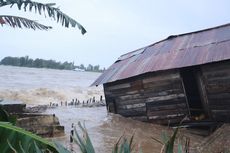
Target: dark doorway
[192, 92]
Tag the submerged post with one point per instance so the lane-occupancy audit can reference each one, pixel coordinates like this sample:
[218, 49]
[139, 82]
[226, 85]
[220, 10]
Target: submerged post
[71, 134]
[101, 98]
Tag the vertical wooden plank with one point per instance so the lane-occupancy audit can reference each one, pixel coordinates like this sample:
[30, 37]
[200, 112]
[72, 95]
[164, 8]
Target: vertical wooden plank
[110, 100]
[106, 102]
[186, 99]
[203, 93]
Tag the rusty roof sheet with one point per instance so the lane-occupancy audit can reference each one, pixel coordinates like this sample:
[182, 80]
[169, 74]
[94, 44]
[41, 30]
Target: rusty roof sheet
[190, 49]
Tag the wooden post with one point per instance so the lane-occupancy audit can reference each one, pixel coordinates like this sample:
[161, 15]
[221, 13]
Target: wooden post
[101, 98]
[71, 134]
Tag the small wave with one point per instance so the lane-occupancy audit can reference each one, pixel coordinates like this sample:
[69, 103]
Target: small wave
[45, 95]
[35, 96]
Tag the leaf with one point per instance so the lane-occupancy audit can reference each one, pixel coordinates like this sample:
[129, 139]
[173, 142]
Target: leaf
[131, 142]
[125, 146]
[15, 21]
[60, 148]
[11, 147]
[164, 137]
[89, 145]
[37, 149]
[83, 142]
[17, 138]
[180, 149]
[79, 141]
[116, 146]
[21, 148]
[4, 116]
[48, 8]
[170, 144]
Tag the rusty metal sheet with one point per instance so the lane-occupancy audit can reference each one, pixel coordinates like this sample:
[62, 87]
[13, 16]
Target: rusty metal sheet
[195, 48]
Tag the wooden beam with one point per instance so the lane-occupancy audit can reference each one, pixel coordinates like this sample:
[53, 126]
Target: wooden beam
[162, 98]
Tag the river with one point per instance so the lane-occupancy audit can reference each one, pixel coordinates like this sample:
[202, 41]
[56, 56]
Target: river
[42, 86]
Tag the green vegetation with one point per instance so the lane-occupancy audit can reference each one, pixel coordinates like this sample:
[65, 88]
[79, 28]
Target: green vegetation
[46, 9]
[15, 139]
[38, 63]
[168, 143]
[41, 63]
[84, 141]
[124, 145]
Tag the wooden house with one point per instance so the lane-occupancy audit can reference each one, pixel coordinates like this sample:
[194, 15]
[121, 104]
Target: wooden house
[183, 75]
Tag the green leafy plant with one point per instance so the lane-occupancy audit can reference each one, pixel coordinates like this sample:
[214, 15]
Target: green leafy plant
[6, 117]
[168, 143]
[124, 145]
[15, 139]
[45, 9]
[83, 141]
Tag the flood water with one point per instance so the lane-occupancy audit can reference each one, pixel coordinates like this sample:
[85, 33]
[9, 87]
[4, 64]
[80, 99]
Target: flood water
[42, 86]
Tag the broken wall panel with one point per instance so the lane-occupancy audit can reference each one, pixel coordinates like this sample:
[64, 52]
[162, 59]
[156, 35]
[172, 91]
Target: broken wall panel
[216, 80]
[148, 96]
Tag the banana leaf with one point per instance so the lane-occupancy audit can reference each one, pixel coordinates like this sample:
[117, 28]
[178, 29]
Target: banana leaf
[6, 117]
[13, 139]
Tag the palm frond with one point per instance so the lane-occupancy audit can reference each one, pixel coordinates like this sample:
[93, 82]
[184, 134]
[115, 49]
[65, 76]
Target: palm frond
[15, 21]
[48, 8]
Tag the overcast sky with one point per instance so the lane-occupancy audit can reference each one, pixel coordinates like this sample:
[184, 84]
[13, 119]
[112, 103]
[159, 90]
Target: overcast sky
[114, 27]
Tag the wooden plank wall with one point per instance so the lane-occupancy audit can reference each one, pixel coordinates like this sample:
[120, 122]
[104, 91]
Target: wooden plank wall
[216, 81]
[157, 97]
[165, 98]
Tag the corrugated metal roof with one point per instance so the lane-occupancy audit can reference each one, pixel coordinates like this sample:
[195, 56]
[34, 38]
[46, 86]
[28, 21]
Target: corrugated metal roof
[190, 49]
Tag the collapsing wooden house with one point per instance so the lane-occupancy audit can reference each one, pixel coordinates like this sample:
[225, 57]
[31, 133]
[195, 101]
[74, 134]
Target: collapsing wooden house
[183, 75]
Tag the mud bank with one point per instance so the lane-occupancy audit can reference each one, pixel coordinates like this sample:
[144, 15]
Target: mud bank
[45, 125]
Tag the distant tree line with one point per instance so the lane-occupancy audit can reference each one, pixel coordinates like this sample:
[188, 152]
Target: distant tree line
[41, 63]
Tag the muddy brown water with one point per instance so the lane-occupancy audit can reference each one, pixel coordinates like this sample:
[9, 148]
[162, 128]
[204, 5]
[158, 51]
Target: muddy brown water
[105, 129]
